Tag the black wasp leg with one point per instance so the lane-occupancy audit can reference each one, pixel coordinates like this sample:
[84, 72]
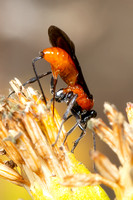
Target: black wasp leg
[77, 141]
[65, 116]
[52, 85]
[70, 131]
[94, 147]
[52, 90]
[94, 140]
[81, 135]
[87, 116]
[34, 68]
[32, 80]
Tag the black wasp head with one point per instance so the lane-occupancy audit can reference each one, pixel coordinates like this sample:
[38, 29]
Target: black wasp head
[88, 115]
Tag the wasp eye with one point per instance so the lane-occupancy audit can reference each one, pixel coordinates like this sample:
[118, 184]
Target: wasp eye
[41, 54]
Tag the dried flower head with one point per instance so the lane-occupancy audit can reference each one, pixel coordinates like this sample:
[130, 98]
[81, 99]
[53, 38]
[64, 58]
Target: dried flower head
[27, 132]
[119, 137]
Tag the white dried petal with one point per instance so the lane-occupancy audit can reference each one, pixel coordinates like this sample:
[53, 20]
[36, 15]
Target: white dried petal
[11, 174]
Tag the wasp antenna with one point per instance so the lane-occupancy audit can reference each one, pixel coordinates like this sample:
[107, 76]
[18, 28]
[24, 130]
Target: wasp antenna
[11, 94]
[34, 68]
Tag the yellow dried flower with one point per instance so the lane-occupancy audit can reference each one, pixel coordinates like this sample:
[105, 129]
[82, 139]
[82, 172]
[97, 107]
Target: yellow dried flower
[120, 139]
[27, 132]
[129, 111]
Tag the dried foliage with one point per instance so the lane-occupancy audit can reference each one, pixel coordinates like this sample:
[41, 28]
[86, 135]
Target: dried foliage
[119, 137]
[27, 132]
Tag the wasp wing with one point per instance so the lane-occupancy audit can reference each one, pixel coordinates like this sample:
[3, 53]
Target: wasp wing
[59, 38]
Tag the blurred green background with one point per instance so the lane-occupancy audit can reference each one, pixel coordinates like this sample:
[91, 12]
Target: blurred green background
[102, 31]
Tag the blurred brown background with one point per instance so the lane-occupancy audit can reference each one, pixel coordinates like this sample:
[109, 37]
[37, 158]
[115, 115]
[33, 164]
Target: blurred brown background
[102, 31]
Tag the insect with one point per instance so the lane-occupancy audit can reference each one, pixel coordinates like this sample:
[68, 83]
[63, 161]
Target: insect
[64, 63]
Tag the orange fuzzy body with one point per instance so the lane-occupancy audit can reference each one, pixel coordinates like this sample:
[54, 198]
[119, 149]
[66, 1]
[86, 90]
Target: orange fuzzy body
[61, 64]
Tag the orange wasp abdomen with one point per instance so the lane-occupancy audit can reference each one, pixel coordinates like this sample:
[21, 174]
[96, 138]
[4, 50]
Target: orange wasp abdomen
[61, 64]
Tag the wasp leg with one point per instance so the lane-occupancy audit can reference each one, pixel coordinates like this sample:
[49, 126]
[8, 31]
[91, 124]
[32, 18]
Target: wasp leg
[82, 133]
[65, 116]
[94, 147]
[70, 131]
[52, 90]
[77, 141]
[52, 85]
[85, 117]
[77, 124]
[83, 130]
[34, 69]
[32, 80]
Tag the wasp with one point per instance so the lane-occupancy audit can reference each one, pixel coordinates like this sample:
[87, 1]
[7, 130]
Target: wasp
[64, 63]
